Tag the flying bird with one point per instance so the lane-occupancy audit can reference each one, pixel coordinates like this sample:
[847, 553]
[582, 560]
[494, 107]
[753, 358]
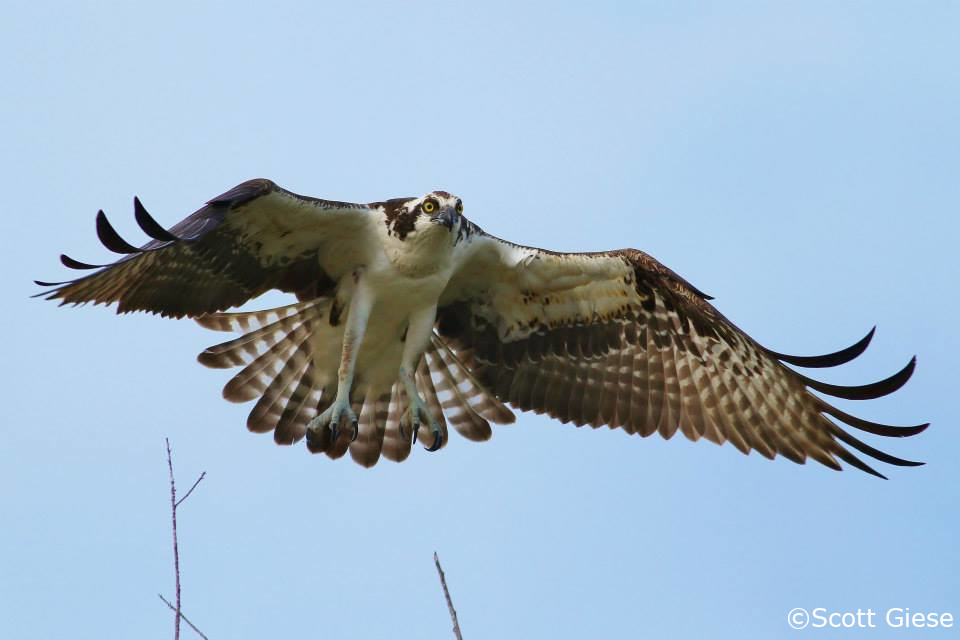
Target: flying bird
[409, 318]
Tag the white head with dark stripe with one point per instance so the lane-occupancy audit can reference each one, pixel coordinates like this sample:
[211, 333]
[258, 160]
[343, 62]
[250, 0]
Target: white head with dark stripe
[431, 217]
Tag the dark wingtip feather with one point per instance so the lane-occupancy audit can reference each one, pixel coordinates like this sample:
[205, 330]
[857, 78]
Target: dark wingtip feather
[867, 391]
[150, 226]
[875, 428]
[830, 359]
[863, 447]
[110, 238]
[854, 461]
[48, 294]
[70, 263]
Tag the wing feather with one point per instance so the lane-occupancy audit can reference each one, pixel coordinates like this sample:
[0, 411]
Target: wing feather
[616, 338]
[692, 423]
[611, 338]
[656, 385]
[251, 239]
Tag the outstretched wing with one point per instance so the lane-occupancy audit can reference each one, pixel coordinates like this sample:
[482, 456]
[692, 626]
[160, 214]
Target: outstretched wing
[253, 238]
[618, 339]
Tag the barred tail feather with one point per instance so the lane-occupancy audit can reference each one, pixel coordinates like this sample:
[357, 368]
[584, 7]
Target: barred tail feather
[292, 425]
[275, 353]
[429, 393]
[365, 450]
[244, 321]
[478, 397]
[460, 414]
[397, 438]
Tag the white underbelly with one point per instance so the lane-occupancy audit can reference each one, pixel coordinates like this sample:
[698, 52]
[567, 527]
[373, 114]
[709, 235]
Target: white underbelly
[378, 360]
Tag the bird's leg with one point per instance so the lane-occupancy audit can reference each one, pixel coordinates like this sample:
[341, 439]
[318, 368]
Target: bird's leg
[418, 336]
[357, 315]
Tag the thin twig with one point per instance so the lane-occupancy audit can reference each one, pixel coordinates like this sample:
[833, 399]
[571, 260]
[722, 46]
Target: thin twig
[192, 626]
[176, 551]
[187, 494]
[446, 594]
[174, 503]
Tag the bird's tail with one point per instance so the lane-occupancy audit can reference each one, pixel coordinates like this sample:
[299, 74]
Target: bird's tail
[278, 370]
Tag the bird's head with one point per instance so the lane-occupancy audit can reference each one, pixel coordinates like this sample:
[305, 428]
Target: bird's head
[439, 208]
[434, 215]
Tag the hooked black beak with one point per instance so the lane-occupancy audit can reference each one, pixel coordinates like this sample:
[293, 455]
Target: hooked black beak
[447, 218]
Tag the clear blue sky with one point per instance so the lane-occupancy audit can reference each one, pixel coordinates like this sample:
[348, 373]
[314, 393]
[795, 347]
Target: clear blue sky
[799, 161]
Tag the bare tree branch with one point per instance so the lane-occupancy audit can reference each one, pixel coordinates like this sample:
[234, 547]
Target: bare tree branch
[446, 594]
[187, 495]
[176, 550]
[174, 609]
[174, 503]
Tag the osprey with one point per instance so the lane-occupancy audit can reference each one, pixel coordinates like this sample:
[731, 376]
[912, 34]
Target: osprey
[410, 317]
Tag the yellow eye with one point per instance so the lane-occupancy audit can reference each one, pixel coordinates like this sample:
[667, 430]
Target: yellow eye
[429, 206]
[459, 207]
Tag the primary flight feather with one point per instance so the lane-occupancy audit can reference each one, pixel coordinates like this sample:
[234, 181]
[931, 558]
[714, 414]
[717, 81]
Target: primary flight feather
[410, 317]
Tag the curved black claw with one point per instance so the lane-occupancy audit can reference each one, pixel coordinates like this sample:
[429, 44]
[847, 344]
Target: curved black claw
[356, 430]
[415, 428]
[334, 431]
[437, 441]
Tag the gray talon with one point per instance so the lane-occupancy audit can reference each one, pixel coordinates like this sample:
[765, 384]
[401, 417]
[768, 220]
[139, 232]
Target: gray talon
[331, 418]
[420, 415]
